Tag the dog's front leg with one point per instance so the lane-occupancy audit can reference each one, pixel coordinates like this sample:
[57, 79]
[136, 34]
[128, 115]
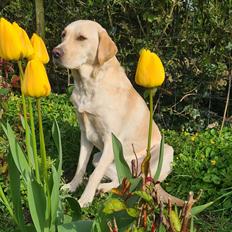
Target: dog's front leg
[85, 152]
[98, 173]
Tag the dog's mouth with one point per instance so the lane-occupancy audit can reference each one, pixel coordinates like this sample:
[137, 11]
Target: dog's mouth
[62, 64]
[61, 59]
[57, 62]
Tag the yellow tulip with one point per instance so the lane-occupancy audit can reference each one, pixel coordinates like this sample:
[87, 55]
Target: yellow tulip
[40, 50]
[27, 49]
[35, 82]
[10, 42]
[150, 71]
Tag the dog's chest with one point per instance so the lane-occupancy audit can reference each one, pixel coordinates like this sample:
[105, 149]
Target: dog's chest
[89, 118]
[94, 129]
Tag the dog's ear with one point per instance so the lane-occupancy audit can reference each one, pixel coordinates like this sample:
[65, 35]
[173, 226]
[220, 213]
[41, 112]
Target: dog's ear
[106, 48]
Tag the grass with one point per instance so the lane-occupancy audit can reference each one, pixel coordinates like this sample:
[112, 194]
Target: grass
[214, 222]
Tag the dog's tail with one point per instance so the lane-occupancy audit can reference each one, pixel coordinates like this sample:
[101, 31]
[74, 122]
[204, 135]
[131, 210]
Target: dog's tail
[162, 196]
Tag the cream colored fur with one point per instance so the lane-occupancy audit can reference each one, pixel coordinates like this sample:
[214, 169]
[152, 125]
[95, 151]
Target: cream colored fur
[105, 103]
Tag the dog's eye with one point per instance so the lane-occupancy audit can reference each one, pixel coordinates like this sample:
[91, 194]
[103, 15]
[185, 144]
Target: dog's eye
[63, 34]
[81, 38]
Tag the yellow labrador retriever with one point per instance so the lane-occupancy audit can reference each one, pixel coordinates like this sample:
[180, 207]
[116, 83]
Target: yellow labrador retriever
[105, 103]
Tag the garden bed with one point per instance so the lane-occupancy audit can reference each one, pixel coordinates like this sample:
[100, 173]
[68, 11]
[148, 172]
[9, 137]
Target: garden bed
[202, 161]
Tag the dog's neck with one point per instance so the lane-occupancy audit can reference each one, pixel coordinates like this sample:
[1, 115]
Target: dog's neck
[87, 75]
[88, 80]
[92, 79]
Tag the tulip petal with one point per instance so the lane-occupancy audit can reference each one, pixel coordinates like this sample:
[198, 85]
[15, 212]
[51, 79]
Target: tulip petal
[27, 49]
[40, 50]
[35, 82]
[150, 71]
[10, 43]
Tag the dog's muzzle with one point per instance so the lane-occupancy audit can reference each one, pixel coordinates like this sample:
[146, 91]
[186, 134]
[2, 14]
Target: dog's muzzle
[57, 52]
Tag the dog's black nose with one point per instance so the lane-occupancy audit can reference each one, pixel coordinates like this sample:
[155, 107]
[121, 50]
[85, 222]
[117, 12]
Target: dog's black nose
[57, 53]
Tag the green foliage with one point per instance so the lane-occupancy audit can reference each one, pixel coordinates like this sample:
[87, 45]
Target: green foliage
[78, 226]
[202, 161]
[43, 211]
[140, 207]
[38, 175]
[188, 171]
[53, 107]
[122, 167]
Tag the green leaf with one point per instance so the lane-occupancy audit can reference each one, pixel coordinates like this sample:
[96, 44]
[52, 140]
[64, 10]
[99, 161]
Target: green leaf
[135, 183]
[57, 139]
[28, 228]
[66, 219]
[145, 196]
[17, 153]
[160, 163]
[24, 123]
[56, 172]
[15, 192]
[161, 228]
[113, 205]
[198, 209]
[132, 212]
[192, 225]
[175, 221]
[75, 208]
[4, 91]
[122, 167]
[37, 204]
[54, 194]
[77, 226]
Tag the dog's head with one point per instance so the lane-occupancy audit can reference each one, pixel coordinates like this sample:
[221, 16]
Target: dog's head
[84, 42]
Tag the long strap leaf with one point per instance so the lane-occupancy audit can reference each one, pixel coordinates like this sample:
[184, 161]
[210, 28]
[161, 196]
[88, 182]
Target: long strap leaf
[122, 167]
[160, 163]
[17, 153]
[15, 192]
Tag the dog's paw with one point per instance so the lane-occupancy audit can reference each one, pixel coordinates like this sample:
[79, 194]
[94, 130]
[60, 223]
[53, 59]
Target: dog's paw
[69, 187]
[84, 202]
[105, 187]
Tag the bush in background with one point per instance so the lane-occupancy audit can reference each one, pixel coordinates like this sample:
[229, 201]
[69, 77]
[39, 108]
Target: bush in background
[192, 38]
[202, 161]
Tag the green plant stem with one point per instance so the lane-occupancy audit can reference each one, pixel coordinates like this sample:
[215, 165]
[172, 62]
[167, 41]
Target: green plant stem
[6, 203]
[25, 114]
[42, 143]
[146, 162]
[44, 163]
[34, 141]
[150, 122]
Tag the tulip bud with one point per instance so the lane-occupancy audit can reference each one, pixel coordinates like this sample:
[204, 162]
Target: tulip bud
[150, 71]
[27, 49]
[35, 82]
[40, 50]
[10, 42]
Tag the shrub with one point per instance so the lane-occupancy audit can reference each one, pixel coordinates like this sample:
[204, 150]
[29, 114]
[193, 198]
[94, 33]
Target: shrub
[191, 37]
[53, 107]
[202, 161]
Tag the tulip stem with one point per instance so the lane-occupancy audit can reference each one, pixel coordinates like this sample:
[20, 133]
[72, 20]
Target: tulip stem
[150, 121]
[146, 162]
[42, 143]
[44, 161]
[34, 147]
[21, 75]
